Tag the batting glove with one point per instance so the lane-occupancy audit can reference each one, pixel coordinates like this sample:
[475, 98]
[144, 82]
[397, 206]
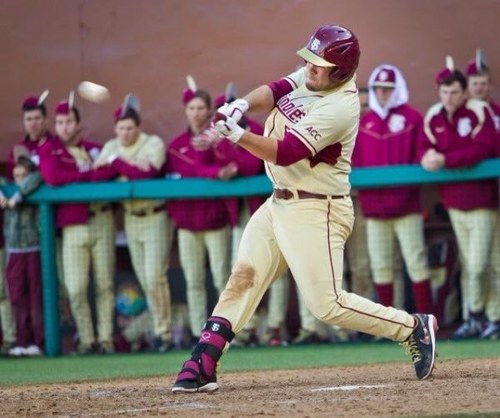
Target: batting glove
[234, 109]
[228, 127]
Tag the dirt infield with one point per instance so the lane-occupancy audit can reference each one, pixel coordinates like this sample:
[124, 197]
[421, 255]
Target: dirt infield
[383, 390]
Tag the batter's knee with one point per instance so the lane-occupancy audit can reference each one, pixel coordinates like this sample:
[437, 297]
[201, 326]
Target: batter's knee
[241, 279]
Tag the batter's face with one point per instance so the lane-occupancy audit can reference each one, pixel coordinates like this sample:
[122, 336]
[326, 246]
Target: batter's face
[479, 86]
[452, 97]
[35, 124]
[318, 78]
[127, 132]
[67, 128]
[383, 94]
[197, 114]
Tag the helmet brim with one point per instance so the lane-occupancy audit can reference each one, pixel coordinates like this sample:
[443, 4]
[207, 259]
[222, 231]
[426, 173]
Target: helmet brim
[314, 59]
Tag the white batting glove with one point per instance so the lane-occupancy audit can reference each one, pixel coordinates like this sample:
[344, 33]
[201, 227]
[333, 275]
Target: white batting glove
[228, 127]
[234, 109]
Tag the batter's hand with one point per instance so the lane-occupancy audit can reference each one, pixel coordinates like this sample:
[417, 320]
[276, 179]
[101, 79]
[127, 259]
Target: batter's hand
[228, 127]
[235, 109]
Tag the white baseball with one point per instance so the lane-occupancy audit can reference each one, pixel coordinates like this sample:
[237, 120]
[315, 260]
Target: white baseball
[93, 92]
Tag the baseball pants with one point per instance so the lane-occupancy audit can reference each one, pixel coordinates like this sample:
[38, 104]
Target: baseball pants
[7, 325]
[149, 243]
[474, 231]
[277, 301]
[83, 246]
[409, 231]
[493, 298]
[24, 285]
[193, 248]
[309, 236]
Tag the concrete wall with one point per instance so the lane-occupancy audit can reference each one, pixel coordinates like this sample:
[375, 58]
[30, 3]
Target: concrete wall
[147, 47]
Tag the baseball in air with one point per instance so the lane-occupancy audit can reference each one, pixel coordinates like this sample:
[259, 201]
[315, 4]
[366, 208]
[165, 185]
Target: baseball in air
[93, 92]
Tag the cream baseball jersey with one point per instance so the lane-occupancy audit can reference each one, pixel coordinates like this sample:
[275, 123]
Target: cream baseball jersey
[148, 151]
[327, 123]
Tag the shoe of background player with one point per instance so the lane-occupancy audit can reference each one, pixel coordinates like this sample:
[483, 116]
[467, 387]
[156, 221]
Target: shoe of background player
[471, 328]
[33, 351]
[492, 331]
[17, 351]
[421, 345]
[306, 337]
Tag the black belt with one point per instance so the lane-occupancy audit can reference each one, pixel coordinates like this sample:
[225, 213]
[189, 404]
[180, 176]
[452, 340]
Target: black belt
[102, 209]
[145, 212]
[286, 194]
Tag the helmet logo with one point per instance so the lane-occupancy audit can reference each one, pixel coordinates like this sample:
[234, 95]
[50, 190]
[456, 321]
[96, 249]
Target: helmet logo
[383, 76]
[315, 44]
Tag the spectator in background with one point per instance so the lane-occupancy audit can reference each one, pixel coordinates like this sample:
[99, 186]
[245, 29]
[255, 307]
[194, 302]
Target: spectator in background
[460, 133]
[479, 86]
[389, 134]
[7, 326]
[135, 155]
[88, 230]
[23, 271]
[203, 224]
[240, 210]
[36, 130]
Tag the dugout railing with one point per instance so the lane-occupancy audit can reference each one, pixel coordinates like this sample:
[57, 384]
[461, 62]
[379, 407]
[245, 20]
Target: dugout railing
[46, 197]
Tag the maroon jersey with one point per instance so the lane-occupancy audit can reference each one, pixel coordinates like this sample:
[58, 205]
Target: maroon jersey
[464, 139]
[392, 140]
[184, 161]
[59, 166]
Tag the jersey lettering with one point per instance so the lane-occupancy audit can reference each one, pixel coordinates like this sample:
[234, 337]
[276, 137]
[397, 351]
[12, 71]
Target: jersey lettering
[291, 110]
[314, 133]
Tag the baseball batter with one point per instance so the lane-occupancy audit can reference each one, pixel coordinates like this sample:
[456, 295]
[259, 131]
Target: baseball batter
[307, 146]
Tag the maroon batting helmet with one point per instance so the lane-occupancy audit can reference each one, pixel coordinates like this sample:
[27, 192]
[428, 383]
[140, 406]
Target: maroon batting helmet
[333, 46]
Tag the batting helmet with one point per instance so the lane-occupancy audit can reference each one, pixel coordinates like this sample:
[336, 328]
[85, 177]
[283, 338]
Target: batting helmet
[333, 46]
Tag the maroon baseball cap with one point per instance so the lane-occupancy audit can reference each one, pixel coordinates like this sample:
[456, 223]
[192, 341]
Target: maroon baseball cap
[477, 66]
[444, 73]
[386, 77]
[188, 95]
[63, 108]
[35, 102]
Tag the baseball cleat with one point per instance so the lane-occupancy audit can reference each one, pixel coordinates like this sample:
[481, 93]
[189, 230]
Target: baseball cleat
[191, 380]
[421, 345]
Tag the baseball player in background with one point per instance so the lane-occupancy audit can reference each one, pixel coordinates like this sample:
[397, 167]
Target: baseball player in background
[88, 231]
[307, 145]
[203, 225]
[389, 134]
[479, 87]
[460, 133]
[135, 155]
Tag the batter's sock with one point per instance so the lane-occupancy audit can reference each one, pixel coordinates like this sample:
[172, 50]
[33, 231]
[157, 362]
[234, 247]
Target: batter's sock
[385, 293]
[422, 296]
[214, 336]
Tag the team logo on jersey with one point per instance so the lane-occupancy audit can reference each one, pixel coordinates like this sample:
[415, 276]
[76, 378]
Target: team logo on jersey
[464, 126]
[396, 123]
[315, 44]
